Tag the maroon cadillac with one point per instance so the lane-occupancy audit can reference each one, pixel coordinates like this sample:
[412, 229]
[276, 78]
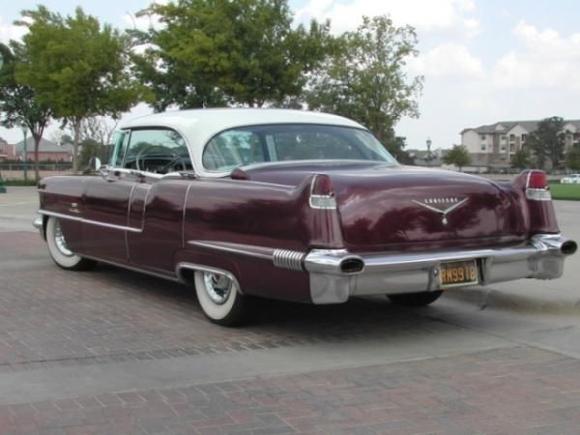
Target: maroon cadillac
[294, 205]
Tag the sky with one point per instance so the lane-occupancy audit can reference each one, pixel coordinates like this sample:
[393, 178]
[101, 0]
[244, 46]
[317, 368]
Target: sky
[483, 60]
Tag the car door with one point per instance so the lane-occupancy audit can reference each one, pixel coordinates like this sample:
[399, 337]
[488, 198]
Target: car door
[156, 204]
[106, 207]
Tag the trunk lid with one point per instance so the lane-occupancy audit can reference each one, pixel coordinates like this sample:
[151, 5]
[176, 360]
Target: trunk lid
[383, 207]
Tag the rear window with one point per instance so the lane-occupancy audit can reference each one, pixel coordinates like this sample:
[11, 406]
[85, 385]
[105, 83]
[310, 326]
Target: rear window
[276, 143]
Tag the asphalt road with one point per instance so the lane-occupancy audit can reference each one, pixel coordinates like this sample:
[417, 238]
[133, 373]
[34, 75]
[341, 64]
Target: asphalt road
[111, 351]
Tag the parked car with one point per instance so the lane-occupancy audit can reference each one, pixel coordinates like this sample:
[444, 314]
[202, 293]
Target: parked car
[294, 205]
[571, 179]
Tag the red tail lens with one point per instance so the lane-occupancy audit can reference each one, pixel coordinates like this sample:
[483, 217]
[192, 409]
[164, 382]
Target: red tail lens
[537, 188]
[321, 185]
[537, 180]
[321, 193]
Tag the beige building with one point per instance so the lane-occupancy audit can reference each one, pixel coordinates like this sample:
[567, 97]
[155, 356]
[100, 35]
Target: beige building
[494, 145]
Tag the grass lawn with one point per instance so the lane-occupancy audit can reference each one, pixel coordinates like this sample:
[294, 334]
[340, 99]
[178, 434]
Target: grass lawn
[565, 191]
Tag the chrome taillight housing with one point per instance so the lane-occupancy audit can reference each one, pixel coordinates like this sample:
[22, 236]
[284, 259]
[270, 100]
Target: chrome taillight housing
[321, 193]
[537, 187]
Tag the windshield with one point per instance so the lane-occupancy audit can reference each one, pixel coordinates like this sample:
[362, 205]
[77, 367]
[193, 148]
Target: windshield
[277, 143]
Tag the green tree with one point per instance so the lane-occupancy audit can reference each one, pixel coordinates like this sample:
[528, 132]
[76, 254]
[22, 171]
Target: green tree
[397, 149]
[547, 142]
[91, 148]
[573, 158]
[18, 103]
[521, 159]
[363, 78]
[76, 66]
[458, 156]
[215, 52]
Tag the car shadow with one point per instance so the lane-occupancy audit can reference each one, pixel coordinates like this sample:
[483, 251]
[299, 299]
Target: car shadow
[285, 322]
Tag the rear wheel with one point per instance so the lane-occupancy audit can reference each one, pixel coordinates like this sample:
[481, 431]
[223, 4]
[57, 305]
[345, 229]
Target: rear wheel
[59, 250]
[415, 299]
[220, 298]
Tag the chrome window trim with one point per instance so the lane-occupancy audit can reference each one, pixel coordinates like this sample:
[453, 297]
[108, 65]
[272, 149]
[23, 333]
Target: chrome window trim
[90, 221]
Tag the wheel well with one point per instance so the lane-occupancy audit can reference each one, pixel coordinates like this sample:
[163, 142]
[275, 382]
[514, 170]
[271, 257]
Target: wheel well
[186, 275]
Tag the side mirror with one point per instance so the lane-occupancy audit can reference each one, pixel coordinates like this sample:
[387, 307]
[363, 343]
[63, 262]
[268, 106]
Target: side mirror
[95, 164]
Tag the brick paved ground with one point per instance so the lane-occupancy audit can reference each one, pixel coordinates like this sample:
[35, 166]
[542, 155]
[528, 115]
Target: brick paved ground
[52, 319]
[49, 316]
[508, 391]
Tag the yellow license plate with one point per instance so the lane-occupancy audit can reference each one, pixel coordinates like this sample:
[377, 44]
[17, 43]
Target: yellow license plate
[458, 273]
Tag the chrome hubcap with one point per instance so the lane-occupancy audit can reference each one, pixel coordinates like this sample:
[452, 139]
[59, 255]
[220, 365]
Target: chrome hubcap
[217, 287]
[60, 241]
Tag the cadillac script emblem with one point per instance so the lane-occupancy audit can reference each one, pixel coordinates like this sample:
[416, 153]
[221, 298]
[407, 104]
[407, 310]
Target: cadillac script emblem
[443, 205]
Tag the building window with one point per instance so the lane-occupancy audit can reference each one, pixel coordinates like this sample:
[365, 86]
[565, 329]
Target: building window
[503, 138]
[512, 137]
[483, 147]
[482, 137]
[503, 148]
[524, 137]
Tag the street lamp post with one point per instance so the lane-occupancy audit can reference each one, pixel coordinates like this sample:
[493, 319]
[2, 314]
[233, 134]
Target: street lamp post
[25, 134]
[429, 142]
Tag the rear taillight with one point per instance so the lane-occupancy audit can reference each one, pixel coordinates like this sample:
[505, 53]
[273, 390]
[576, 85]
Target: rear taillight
[537, 187]
[321, 193]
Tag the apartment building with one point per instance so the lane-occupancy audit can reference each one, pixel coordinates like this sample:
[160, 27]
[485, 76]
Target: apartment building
[494, 145]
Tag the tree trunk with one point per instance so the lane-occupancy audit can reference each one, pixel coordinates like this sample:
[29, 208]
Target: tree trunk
[77, 138]
[37, 139]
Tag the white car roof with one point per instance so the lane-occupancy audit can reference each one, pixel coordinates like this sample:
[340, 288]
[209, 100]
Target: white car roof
[198, 126]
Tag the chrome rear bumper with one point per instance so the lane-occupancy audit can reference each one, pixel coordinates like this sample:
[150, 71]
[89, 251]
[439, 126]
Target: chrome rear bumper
[37, 222]
[336, 275]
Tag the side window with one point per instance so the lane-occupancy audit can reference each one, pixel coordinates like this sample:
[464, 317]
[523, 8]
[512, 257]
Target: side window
[121, 141]
[233, 148]
[158, 151]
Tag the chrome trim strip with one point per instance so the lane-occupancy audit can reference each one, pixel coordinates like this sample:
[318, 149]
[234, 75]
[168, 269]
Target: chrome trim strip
[129, 206]
[235, 248]
[443, 212]
[288, 259]
[135, 269]
[144, 212]
[284, 258]
[183, 215]
[89, 221]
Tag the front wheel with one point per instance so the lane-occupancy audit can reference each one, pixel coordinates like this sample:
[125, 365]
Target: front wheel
[59, 250]
[220, 298]
[415, 299]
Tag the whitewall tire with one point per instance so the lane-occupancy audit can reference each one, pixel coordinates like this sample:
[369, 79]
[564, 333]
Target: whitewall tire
[59, 250]
[220, 298]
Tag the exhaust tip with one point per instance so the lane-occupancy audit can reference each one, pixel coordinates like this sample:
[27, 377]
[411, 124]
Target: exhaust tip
[569, 247]
[352, 265]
